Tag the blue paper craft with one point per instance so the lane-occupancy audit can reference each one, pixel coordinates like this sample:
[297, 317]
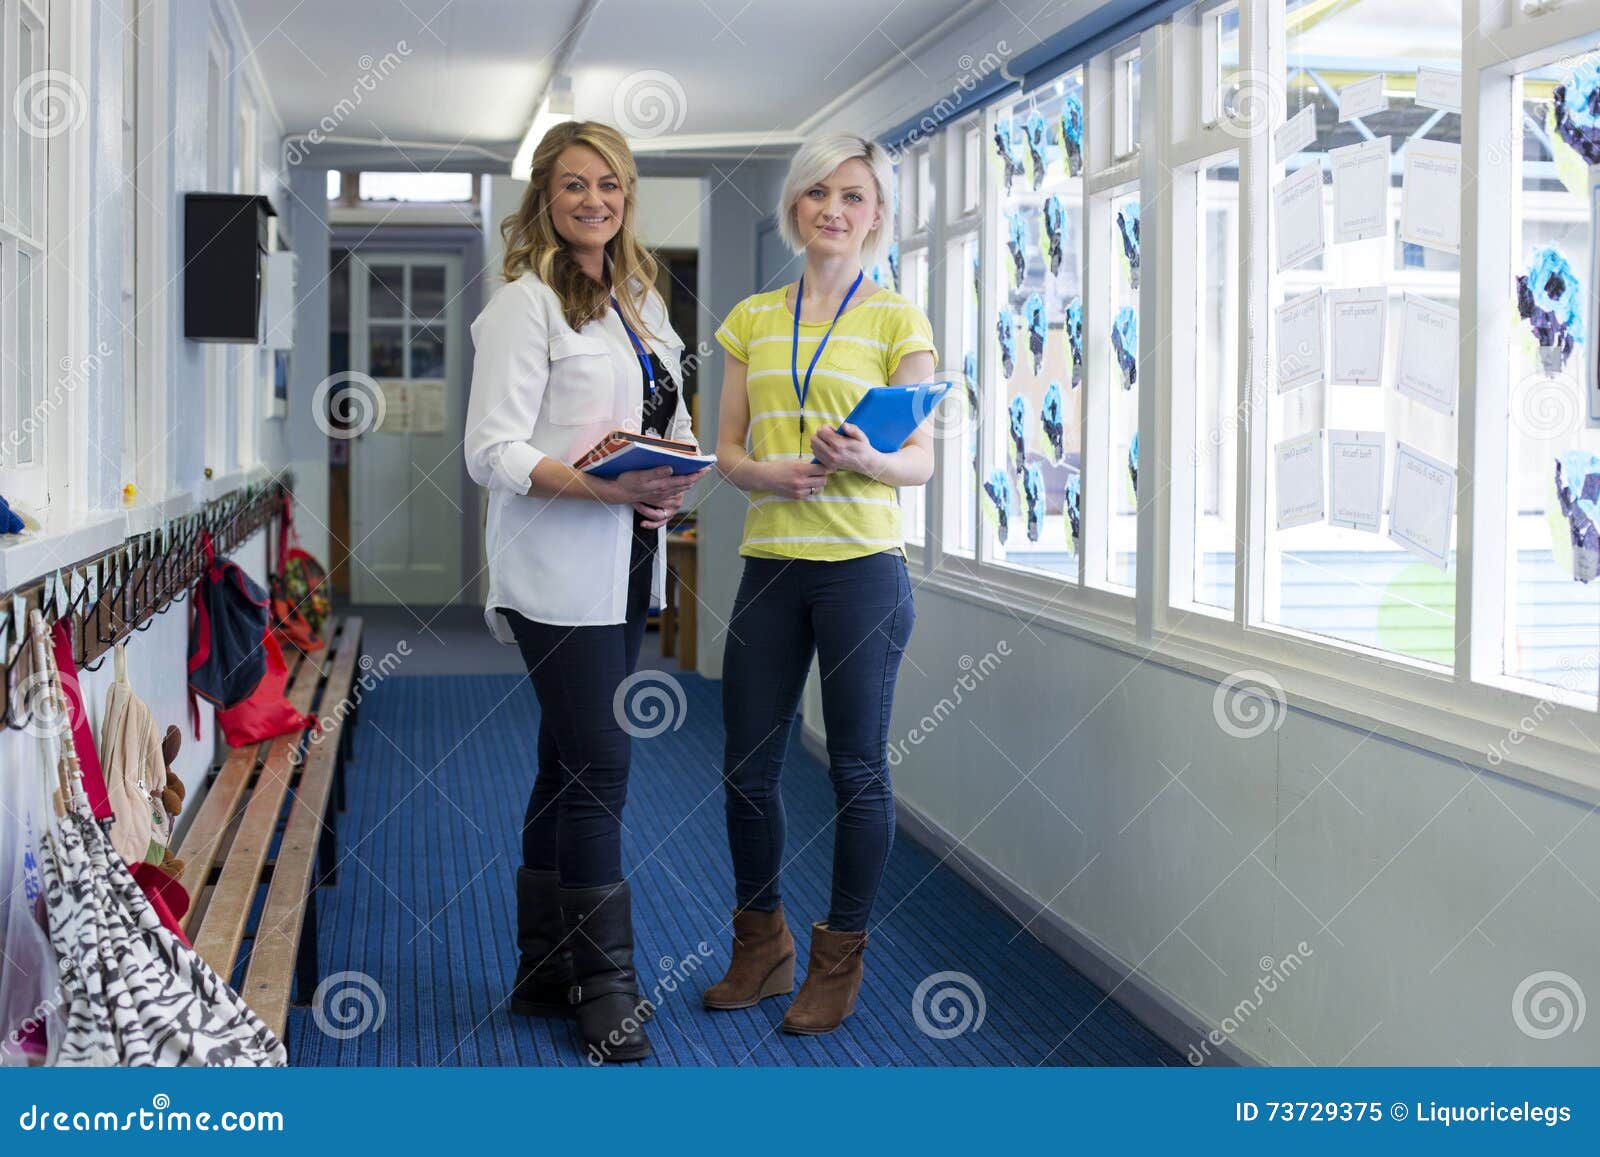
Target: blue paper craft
[1050, 419]
[1037, 329]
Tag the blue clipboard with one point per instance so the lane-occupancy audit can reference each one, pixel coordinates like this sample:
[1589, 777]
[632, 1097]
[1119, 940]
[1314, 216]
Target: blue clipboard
[888, 415]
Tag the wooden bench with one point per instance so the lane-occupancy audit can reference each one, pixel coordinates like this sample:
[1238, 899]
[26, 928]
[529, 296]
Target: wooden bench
[294, 786]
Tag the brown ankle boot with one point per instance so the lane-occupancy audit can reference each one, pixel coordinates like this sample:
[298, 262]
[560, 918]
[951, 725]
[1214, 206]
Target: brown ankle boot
[833, 978]
[762, 964]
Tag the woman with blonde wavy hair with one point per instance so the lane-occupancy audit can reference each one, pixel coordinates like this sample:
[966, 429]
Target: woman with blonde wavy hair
[574, 345]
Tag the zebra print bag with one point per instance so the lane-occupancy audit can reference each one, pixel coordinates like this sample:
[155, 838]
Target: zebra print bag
[134, 994]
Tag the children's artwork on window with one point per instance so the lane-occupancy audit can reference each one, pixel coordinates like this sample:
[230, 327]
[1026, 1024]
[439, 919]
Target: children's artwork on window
[1036, 150]
[1018, 429]
[1125, 340]
[1074, 331]
[1575, 107]
[1071, 135]
[1055, 223]
[1578, 489]
[894, 265]
[1019, 257]
[998, 489]
[1549, 299]
[1033, 311]
[1050, 419]
[969, 378]
[1128, 227]
[1074, 509]
[1133, 461]
[977, 284]
[1033, 499]
[1005, 148]
[1005, 330]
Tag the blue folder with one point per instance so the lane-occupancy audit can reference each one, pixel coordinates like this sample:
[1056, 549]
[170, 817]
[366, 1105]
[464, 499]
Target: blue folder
[888, 415]
[647, 458]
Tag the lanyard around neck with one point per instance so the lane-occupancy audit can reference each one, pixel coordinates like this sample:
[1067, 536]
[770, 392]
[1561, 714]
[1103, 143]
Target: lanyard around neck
[638, 347]
[801, 390]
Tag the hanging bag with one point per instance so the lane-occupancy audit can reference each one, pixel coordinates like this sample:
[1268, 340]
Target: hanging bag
[299, 589]
[134, 993]
[234, 659]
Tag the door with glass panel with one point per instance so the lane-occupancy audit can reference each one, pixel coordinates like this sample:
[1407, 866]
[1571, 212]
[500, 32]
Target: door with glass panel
[405, 465]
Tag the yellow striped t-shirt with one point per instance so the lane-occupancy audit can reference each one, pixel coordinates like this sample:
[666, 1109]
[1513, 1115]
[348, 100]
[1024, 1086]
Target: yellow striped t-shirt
[852, 515]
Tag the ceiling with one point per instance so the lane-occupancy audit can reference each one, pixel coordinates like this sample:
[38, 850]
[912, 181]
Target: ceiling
[669, 72]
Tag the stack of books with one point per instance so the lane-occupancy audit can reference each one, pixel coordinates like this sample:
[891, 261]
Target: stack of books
[621, 451]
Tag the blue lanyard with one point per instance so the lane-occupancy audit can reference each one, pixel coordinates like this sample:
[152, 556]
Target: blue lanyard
[800, 391]
[638, 346]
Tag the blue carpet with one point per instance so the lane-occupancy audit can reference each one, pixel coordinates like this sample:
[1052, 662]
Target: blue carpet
[423, 908]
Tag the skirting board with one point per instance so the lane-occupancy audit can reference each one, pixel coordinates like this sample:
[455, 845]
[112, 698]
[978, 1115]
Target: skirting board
[1154, 1007]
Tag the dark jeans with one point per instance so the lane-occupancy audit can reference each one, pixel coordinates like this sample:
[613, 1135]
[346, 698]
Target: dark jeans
[574, 818]
[856, 616]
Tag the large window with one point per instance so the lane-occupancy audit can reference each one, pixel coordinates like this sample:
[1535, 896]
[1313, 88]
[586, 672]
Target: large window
[1035, 369]
[1380, 576]
[1553, 456]
[32, 116]
[964, 348]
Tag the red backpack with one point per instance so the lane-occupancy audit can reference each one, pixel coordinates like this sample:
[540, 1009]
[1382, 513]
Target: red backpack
[227, 618]
[299, 589]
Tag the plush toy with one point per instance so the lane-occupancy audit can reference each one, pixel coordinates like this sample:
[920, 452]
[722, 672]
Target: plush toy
[171, 795]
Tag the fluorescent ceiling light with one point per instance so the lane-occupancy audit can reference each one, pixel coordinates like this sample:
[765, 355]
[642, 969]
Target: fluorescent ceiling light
[555, 108]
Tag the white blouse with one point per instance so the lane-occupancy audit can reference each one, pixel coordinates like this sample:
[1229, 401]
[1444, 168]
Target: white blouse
[542, 389]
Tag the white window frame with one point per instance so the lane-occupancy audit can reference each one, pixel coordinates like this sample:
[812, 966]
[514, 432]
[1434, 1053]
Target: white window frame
[1465, 712]
[246, 357]
[953, 225]
[221, 173]
[35, 483]
[913, 192]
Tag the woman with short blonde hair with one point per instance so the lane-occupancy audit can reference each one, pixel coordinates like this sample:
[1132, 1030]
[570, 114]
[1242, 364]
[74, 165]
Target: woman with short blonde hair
[824, 569]
[575, 345]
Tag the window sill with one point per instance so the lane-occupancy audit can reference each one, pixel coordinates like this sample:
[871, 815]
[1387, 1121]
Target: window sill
[215, 487]
[33, 554]
[143, 517]
[1413, 712]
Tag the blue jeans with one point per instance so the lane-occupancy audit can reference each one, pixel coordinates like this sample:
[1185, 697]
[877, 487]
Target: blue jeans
[574, 818]
[856, 616]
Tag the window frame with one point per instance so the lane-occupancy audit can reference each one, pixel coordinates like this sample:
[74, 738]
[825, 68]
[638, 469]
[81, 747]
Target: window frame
[1463, 711]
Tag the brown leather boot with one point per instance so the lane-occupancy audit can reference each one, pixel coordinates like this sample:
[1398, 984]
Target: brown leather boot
[833, 978]
[762, 964]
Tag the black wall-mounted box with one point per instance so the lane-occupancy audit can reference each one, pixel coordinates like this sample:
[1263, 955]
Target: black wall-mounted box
[224, 240]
